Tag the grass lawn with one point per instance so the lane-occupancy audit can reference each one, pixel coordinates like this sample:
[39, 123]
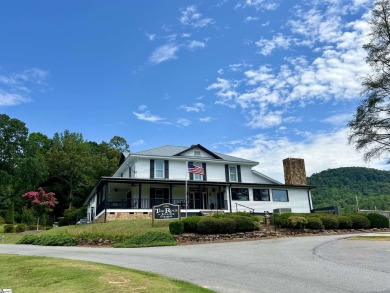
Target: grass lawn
[377, 238]
[114, 230]
[9, 238]
[41, 274]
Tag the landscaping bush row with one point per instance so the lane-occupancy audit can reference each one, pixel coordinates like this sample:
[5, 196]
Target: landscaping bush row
[318, 221]
[9, 228]
[48, 240]
[148, 239]
[217, 224]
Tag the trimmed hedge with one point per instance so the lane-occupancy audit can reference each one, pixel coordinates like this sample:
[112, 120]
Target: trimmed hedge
[245, 224]
[191, 224]
[329, 221]
[208, 225]
[21, 228]
[281, 220]
[227, 226]
[10, 228]
[176, 227]
[378, 221]
[314, 223]
[298, 222]
[344, 222]
[359, 221]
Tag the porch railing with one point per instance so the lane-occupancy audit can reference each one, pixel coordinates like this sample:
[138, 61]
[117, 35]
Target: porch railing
[148, 203]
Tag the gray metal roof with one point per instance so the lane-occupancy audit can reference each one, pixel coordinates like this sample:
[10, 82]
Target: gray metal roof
[171, 151]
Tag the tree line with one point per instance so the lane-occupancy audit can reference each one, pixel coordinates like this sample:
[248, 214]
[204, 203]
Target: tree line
[65, 164]
[348, 186]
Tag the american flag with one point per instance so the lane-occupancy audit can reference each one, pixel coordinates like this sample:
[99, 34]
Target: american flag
[195, 169]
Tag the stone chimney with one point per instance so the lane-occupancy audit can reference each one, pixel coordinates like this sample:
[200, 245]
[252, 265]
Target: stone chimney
[294, 171]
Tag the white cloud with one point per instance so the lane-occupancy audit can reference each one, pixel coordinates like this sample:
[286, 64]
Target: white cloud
[191, 17]
[9, 99]
[205, 119]
[197, 107]
[164, 53]
[196, 45]
[259, 4]
[251, 19]
[183, 122]
[16, 87]
[278, 41]
[138, 142]
[225, 90]
[334, 73]
[151, 37]
[320, 151]
[338, 119]
[147, 116]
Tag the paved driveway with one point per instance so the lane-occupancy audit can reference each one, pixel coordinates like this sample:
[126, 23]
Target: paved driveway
[306, 264]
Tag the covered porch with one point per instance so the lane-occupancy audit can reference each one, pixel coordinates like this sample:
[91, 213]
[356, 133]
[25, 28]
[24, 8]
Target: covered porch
[139, 196]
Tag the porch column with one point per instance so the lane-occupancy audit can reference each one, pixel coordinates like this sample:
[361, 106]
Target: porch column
[219, 204]
[170, 193]
[105, 196]
[139, 195]
[200, 195]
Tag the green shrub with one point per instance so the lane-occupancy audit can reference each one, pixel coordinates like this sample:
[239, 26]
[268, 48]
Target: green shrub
[378, 221]
[72, 215]
[10, 214]
[208, 225]
[191, 224]
[329, 221]
[297, 222]
[2, 221]
[245, 224]
[359, 221]
[10, 228]
[27, 217]
[176, 227]
[226, 226]
[243, 214]
[314, 223]
[32, 227]
[148, 239]
[21, 228]
[48, 240]
[281, 220]
[344, 222]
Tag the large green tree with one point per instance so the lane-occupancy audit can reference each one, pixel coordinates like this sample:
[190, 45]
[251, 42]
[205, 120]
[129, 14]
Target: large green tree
[70, 162]
[13, 137]
[371, 124]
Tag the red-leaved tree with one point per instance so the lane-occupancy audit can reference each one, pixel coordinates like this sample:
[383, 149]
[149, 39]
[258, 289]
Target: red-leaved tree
[41, 202]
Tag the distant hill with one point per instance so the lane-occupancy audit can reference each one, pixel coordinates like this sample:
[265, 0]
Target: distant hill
[341, 186]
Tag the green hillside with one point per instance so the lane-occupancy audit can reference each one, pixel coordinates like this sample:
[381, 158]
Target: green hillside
[341, 186]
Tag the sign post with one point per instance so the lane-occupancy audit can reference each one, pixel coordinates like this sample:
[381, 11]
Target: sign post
[165, 211]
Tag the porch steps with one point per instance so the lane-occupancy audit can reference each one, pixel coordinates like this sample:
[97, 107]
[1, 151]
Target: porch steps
[211, 212]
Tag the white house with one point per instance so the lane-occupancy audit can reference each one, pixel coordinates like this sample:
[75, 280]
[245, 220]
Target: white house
[229, 184]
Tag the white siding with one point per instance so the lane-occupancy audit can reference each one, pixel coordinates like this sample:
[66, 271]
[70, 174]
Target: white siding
[298, 202]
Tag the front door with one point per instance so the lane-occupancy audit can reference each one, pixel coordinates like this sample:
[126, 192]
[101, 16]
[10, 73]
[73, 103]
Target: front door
[198, 200]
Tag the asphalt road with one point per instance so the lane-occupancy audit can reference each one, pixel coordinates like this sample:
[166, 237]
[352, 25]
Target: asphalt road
[305, 264]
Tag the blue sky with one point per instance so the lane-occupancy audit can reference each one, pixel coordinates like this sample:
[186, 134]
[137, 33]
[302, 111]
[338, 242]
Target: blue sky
[259, 79]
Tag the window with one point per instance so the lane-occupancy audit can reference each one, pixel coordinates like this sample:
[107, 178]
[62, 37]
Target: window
[159, 169]
[240, 194]
[197, 153]
[260, 194]
[279, 195]
[233, 173]
[198, 176]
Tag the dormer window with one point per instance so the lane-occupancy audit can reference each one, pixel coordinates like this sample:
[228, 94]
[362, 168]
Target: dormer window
[196, 153]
